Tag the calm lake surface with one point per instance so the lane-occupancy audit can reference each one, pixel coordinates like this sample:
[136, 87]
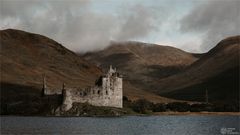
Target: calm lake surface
[155, 125]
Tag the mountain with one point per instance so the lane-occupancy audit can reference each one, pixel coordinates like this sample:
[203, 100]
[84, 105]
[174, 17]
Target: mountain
[217, 72]
[142, 63]
[173, 73]
[26, 57]
[150, 71]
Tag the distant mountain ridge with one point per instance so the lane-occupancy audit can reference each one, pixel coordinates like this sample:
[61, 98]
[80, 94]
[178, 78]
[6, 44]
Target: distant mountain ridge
[223, 57]
[149, 70]
[142, 63]
[146, 54]
[169, 71]
[26, 57]
[217, 71]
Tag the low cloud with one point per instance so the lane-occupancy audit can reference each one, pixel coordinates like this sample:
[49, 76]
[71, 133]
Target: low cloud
[215, 20]
[88, 25]
[139, 23]
[74, 24]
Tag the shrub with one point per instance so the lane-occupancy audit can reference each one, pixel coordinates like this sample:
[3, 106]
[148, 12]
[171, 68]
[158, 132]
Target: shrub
[142, 106]
[201, 107]
[178, 106]
[159, 107]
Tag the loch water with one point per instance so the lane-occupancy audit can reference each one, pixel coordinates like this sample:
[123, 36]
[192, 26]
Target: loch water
[132, 125]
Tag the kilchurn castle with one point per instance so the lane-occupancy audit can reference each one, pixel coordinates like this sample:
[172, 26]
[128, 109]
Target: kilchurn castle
[108, 91]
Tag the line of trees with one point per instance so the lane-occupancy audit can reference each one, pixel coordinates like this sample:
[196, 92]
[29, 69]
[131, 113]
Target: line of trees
[144, 106]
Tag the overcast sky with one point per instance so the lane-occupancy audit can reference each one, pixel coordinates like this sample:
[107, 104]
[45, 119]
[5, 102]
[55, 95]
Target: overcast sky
[89, 25]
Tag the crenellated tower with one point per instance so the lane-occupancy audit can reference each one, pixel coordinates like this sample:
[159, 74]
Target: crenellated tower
[112, 87]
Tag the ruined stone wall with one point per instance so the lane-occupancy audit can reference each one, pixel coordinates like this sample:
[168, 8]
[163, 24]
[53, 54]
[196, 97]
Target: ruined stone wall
[108, 94]
[52, 92]
[90, 95]
[116, 97]
[67, 100]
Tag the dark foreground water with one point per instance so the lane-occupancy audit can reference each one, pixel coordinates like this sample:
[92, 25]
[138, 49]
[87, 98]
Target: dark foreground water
[156, 125]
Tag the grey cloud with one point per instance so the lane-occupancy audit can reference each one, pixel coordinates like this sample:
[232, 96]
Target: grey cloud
[138, 24]
[74, 24]
[215, 19]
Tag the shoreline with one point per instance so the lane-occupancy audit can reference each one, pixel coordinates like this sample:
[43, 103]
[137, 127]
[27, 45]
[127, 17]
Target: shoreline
[152, 114]
[198, 113]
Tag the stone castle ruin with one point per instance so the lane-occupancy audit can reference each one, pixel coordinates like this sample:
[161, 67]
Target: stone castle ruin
[106, 92]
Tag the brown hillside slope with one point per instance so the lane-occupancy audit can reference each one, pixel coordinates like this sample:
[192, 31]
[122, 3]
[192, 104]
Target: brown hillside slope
[141, 63]
[223, 57]
[175, 73]
[217, 71]
[25, 57]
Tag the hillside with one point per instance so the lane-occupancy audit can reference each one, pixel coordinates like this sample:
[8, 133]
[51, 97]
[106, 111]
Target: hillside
[171, 72]
[217, 71]
[153, 72]
[223, 57]
[25, 57]
[142, 64]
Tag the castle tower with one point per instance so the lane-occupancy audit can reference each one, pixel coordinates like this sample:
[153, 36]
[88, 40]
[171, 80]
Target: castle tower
[118, 89]
[111, 70]
[67, 100]
[112, 88]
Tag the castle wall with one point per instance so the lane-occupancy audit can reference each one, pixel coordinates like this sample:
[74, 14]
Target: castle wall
[67, 100]
[109, 93]
[52, 92]
[116, 98]
[106, 95]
